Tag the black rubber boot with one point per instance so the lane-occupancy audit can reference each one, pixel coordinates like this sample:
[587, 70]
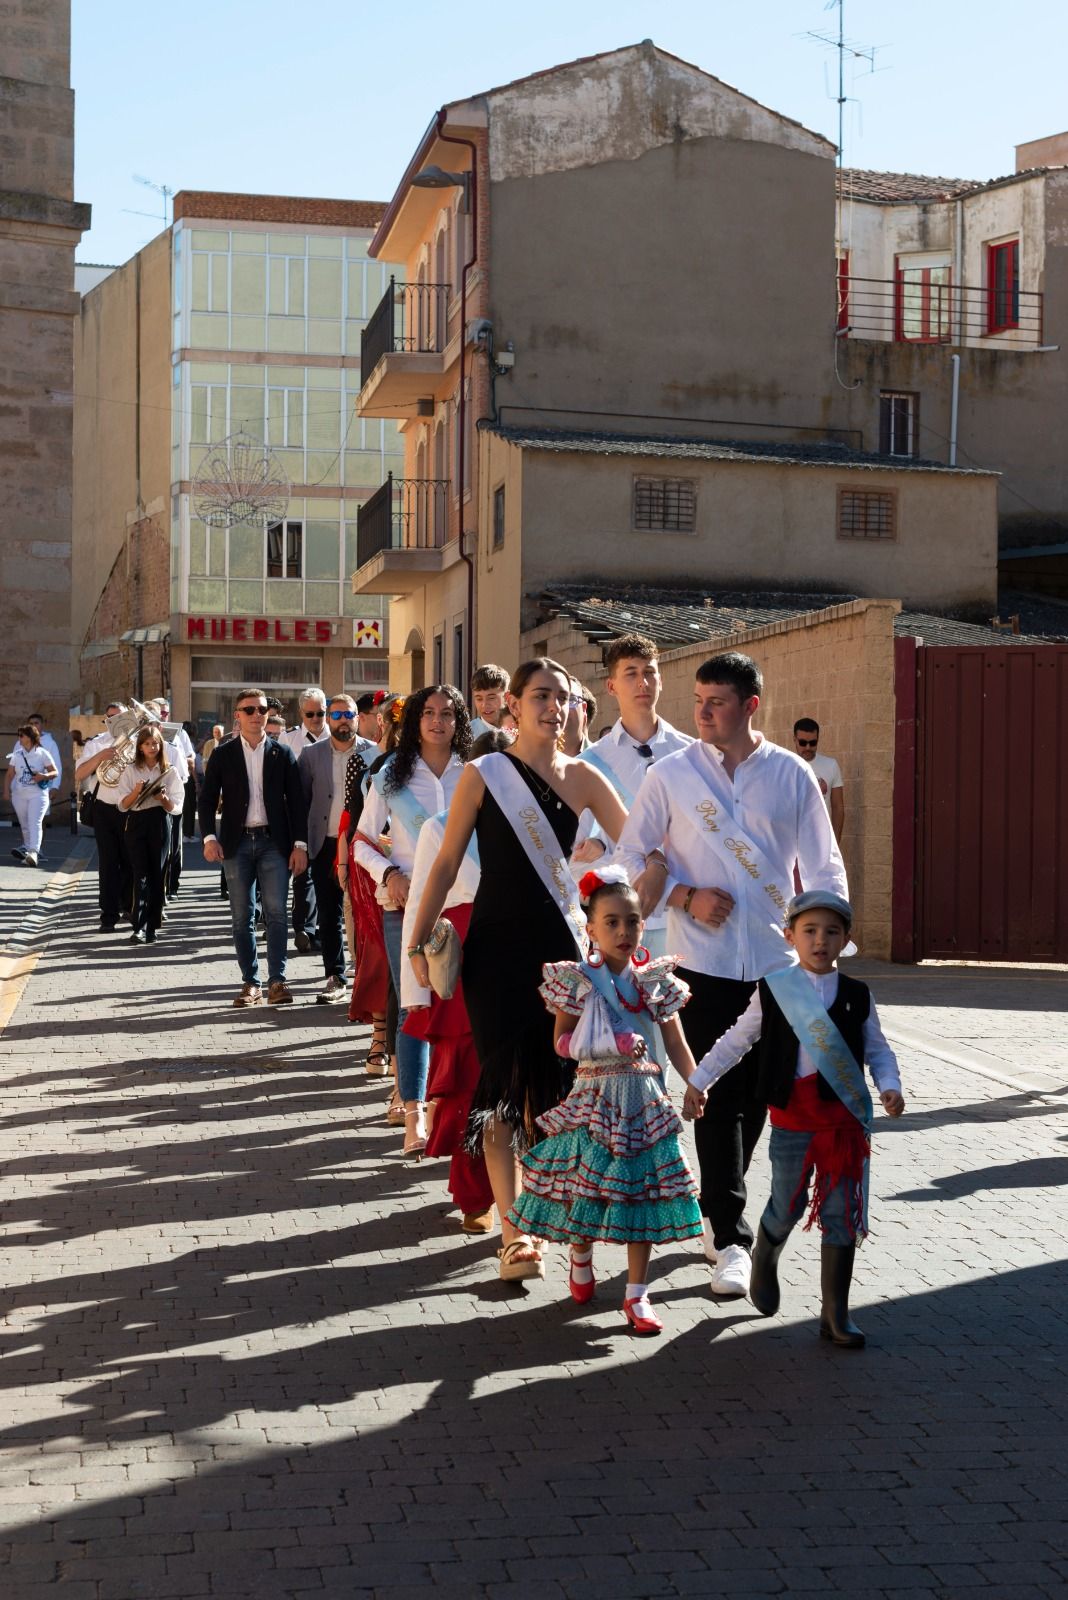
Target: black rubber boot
[836, 1274]
[764, 1283]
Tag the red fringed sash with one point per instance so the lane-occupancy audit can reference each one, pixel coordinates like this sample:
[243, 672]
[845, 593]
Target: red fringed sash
[839, 1150]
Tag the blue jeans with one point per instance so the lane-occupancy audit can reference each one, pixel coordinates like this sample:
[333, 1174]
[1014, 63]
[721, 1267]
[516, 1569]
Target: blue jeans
[258, 860]
[413, 1055]
[788, 1150]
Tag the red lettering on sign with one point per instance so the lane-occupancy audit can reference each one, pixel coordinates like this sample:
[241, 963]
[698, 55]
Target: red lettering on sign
[239, 628]
[194, 628]
[218, 627]
[300, 631]
[280, 634]
[259, 629]
[323, 633]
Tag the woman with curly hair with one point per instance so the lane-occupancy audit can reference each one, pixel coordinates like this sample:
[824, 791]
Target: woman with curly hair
[415, 783]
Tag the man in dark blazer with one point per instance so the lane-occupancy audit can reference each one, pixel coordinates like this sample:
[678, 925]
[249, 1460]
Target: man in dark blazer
[261, 839]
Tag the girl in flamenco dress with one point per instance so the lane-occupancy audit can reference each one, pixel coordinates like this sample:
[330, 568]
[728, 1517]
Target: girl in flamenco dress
[609, 1165]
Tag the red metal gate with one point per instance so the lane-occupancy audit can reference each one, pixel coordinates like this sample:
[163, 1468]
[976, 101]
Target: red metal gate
[988, 802]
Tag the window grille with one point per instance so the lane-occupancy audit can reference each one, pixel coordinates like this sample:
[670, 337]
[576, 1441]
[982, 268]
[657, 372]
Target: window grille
[665, 505]
[867, 514]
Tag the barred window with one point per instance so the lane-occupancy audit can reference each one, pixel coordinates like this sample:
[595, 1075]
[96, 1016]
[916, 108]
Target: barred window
[867, 514]
[665, 505]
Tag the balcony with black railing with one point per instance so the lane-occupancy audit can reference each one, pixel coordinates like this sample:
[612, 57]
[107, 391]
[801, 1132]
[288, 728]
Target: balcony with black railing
[402, 348]
[923, 306]
[401, 532]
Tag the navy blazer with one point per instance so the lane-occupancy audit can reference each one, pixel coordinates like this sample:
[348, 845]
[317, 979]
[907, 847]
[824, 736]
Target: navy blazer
[283, 796]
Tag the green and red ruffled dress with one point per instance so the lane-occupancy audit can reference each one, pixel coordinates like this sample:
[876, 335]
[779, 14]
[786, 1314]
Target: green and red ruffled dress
[610, 1165]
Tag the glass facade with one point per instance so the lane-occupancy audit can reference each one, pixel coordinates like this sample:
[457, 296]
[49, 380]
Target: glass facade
[264, 318]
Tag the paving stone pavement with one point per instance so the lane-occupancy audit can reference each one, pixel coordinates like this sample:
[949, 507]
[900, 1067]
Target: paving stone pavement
[246, 1351]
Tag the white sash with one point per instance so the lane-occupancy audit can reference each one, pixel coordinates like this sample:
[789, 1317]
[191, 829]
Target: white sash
[716, 828]
[534, 832]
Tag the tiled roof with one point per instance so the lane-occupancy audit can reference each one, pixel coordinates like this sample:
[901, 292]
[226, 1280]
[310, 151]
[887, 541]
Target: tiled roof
[679, 616]
[674, 448]
[221, 207]
[897, 188]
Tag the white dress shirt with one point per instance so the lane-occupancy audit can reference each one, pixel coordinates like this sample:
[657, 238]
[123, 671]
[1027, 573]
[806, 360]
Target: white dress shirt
[619, 751]
[731, 1046]
[462, 893]
[38, 760]
[176, 756]
[299, 739]
[53, 750]
[337, 803]
[106, 793]
[775, 799]
[172, 786]
[432, 793]
[256, 815]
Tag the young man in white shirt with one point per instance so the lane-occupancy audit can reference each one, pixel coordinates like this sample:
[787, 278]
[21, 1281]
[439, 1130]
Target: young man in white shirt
[489, 684]
[628, 751]
[731, 813]
[310, 730]
[828, 773]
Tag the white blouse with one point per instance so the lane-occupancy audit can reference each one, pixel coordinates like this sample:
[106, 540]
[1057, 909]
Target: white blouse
[132, 775]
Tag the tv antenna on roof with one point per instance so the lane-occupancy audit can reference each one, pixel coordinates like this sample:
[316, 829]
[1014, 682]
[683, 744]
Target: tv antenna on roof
[165, 193]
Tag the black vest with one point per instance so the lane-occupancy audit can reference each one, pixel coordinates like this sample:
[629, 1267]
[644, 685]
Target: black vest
[777, 1046]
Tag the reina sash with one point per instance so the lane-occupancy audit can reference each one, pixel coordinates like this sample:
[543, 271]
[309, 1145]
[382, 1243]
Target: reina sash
[624, 1021]
[711, 821]
[537, 839]
[598, 762]
[403, 804]
[835, 1062]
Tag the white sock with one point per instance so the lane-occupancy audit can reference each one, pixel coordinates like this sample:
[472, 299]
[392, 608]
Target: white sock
[582, 1264]
[636, 1291]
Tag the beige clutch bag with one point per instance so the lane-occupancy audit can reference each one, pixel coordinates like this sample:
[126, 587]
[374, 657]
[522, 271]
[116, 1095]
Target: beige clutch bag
[442, 953]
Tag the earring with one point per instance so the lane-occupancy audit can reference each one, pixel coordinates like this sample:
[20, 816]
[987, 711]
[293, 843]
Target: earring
[640, 958]
[595, 958]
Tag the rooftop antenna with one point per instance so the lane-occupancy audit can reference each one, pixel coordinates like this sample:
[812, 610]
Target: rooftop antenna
[857, 52]
[165, 193]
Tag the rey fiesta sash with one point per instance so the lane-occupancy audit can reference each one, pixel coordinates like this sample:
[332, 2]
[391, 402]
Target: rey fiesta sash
[536, 838]
[819, 1036]
[624, 1021]
[598, 762]
[696, 801]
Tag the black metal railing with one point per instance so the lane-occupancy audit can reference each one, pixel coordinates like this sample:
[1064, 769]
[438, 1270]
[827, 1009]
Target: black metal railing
[404, 514]
[410, 317]
[917, 308]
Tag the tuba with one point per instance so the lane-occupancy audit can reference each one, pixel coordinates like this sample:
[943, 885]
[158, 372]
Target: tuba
[123, 728]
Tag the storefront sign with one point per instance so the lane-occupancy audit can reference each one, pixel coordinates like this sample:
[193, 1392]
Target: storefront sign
[367, 633]
[259, 630]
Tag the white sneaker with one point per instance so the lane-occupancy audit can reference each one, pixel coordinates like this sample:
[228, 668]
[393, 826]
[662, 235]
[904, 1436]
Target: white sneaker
[733, 1269]
[709, 1241]
[332, 991]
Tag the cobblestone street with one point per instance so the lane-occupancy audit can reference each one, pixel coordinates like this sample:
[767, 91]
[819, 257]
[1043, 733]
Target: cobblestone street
[248, 1352]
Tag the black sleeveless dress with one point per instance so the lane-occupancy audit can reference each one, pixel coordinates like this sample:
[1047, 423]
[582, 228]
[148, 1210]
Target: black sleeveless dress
[515, 928]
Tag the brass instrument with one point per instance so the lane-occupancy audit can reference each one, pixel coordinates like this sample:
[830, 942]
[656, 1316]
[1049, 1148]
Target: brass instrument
[124, 729]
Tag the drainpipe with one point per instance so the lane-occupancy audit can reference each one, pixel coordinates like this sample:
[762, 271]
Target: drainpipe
[958, 273]
[954, 401]
[449, 138]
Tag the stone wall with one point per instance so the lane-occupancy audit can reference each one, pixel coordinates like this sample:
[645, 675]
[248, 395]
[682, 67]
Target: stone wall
[40, 226]
[835, 665]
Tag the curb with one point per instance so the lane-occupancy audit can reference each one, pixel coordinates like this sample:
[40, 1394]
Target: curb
[23, 948]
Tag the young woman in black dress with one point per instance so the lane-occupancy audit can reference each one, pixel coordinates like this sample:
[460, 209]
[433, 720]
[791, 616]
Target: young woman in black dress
[516, 926]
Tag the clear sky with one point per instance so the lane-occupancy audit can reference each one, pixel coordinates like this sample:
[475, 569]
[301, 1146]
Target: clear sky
[329, 97]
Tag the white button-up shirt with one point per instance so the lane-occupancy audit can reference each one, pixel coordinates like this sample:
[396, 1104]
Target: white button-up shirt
[619, 751]
[172, 786]
[337, 803]
[731, 1046]
[776, 801]
[256, 815]
[299, 739]
[177, 758]
[462, 893]
[432, 793]
[107, 793]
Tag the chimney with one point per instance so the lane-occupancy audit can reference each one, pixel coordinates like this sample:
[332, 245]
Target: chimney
[1049, 152]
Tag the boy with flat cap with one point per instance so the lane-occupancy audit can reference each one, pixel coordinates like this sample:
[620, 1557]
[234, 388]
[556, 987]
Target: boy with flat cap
[815, 1029]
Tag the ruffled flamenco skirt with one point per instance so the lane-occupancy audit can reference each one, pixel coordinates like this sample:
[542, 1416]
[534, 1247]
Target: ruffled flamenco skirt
[610, 1165]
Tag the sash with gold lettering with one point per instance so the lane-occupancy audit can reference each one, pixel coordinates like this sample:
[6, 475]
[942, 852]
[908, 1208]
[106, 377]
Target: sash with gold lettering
[818, 1034]
[710, 818]
[539, 843]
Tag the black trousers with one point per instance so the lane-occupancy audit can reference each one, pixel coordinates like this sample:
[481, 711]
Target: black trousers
[305, 910]
[174, 855]
[147, 837]
[331, 905]
[189, 810]
[727, 1134]
[113, 862]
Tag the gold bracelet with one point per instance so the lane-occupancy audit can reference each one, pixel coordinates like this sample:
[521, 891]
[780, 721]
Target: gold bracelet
[688, 902]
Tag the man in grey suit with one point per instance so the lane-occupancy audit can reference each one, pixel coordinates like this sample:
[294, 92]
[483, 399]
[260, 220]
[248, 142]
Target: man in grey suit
[322, 773]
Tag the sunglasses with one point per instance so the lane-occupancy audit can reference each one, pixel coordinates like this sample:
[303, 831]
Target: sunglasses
[252, 711]
[574, 700]
[645, 751]
[342, 716]
[808, 744]
[316, 715]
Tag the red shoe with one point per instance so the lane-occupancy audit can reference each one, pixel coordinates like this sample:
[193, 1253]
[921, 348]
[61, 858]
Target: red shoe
[644, 1325]
[581, 1292]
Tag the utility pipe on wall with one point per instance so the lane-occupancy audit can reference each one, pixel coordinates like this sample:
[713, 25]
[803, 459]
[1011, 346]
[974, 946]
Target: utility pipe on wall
[954, 401]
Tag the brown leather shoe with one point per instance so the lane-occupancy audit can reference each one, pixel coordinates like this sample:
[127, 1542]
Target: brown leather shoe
[279, 994]
[251, 995]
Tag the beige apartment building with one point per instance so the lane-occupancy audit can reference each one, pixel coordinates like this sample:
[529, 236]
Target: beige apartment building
[228, 345]
[40, 226]
[599, 367]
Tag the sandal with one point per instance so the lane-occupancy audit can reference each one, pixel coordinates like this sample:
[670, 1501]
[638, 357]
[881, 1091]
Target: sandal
[513, 1269]
[415, 1133]
[395, 1111]
[377, 1062]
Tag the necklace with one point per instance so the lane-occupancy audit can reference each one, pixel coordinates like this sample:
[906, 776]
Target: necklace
[544, 791]
[624, 1002]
